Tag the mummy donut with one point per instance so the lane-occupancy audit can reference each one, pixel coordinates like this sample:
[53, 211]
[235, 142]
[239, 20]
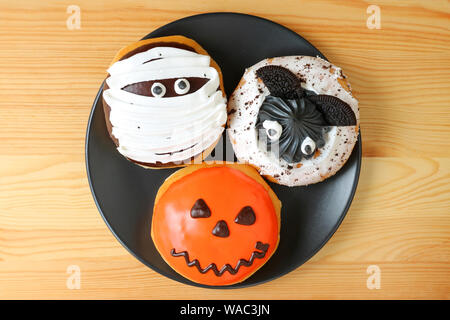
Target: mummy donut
[164, 102]
[294, 118]
[216, 224]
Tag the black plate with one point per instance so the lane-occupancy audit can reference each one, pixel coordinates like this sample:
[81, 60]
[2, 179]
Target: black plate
[124, 192]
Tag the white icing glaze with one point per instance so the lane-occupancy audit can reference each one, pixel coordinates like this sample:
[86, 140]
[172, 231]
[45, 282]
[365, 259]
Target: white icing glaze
[164, 129]
[321, 77]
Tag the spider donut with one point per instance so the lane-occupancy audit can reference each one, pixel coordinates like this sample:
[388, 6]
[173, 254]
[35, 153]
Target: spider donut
[216, 224]
[164, 102]
[294, 118]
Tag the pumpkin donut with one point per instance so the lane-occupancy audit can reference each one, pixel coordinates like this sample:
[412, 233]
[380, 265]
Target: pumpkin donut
[294, 118]
[164, 102]
[216, 224]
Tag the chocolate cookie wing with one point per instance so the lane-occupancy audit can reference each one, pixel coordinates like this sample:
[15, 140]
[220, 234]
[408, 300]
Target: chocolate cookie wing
[280, 81]
[335, 111]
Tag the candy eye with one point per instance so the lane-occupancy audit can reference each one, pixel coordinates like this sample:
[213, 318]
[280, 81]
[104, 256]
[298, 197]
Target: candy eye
[200, 209]
[273, 129]
[158, 90]
[182, 86]
[308, 146]
[246, 216]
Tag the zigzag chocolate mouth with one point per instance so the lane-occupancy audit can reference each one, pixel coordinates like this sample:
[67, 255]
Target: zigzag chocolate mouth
[263, 247]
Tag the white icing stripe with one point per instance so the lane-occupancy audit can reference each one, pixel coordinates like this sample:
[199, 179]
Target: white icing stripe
[199, 61]
[179, 138]
[166, 128]
[153, 129]
[124, 79]
[191, 151]
[188, 138]
[138, 59]
[135, 110]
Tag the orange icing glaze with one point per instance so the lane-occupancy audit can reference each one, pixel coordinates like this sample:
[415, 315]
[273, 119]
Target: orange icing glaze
[226, 191]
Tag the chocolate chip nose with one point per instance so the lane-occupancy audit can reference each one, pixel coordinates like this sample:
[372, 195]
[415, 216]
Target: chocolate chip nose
[221, 229]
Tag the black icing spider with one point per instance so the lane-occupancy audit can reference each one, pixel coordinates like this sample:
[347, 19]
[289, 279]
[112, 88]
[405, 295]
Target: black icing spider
[295, 119]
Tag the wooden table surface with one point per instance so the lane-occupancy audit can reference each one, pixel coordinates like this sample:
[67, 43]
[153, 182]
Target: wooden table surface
[399, 220]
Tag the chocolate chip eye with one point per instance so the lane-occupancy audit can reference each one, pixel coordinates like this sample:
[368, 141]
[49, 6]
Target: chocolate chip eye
[200, 209]
[158, 90]
[308, 146]
[246, 216]
[221, 229]
[182, 86]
